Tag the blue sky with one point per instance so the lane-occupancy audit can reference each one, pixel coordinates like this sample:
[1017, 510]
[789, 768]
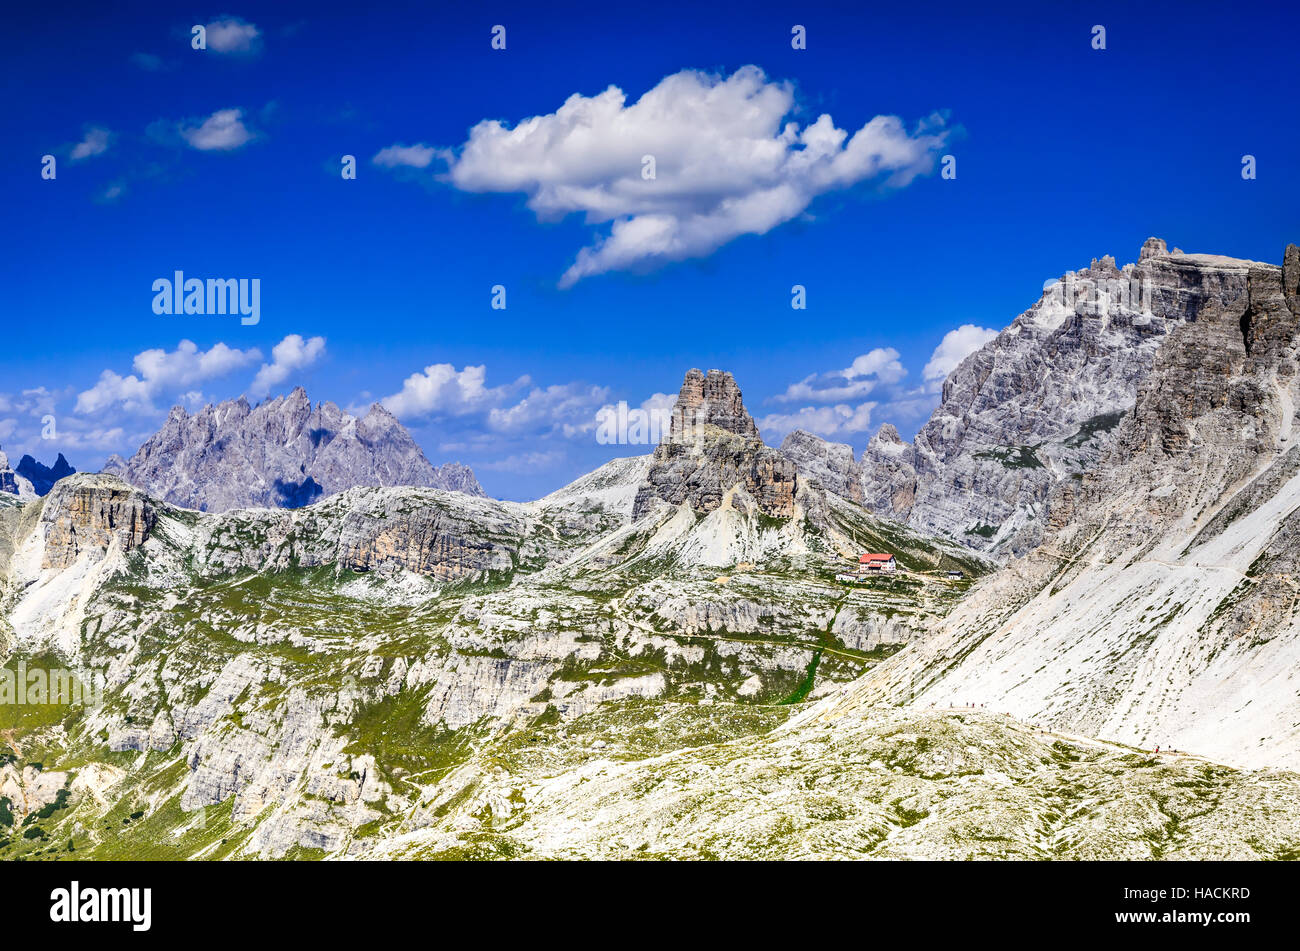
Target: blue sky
[225, 163]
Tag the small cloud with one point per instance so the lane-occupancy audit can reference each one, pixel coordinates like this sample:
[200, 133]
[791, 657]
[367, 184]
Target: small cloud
[412, 156]
[112, 193]
[233, 35]
[94, 143]
[222, 131]
[290, 354]
[955, 347]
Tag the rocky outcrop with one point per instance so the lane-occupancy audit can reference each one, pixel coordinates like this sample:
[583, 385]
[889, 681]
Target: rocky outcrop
[92, 513]
[1040, 403]
[283, 453]
[830, 464]
[43, 477]
[713, 446]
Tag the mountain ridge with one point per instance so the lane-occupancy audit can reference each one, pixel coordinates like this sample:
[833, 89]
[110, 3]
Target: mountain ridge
[281, 453]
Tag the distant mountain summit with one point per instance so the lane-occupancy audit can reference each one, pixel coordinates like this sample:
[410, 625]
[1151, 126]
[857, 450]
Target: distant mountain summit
[283, 453]
[11, 482]
[43, 477]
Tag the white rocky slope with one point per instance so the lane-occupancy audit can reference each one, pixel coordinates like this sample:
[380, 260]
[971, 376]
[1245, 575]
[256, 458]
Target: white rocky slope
[1161, 607]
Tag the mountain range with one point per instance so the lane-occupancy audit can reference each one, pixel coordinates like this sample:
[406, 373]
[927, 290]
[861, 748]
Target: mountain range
[281, 453]
[674, 656]
[31, 478]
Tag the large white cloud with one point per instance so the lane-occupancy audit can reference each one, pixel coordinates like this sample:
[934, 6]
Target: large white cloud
[443, 390]
[955, 347]
[160, 371]
[290, 354]
[222, 131]
[728, 162]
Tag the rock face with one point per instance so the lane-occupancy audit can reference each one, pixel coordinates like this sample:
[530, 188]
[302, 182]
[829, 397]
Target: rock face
[283, 453]
[1160, 608]
[713, 446]
[1041, 402]
[43, 477]
[830, 464]
[891, 486]
[93, 512]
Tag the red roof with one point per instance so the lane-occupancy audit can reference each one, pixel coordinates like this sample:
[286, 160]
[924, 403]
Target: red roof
[869, 558]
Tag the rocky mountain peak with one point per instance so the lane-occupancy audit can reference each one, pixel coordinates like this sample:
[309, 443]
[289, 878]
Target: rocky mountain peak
[1152, 247]
[711, 399]
[713, 447]
[1043, 400]
[11, 482]
[282, 453]
[831, 464]
[887, 435]
[43, 477]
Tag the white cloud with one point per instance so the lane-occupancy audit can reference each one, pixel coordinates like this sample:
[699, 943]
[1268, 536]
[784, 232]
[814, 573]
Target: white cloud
[441, 389]
[290, 354]
[656, 406]
[111, 193]
[879, 367]
[728, 163]
[32, 402]
[93, 437]
[158, 371]
[415, 156]
[95, 142]
[955, 347]
[551, 407]
[525, 462]
[222, 131]
[232, 35]
[828, 421]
